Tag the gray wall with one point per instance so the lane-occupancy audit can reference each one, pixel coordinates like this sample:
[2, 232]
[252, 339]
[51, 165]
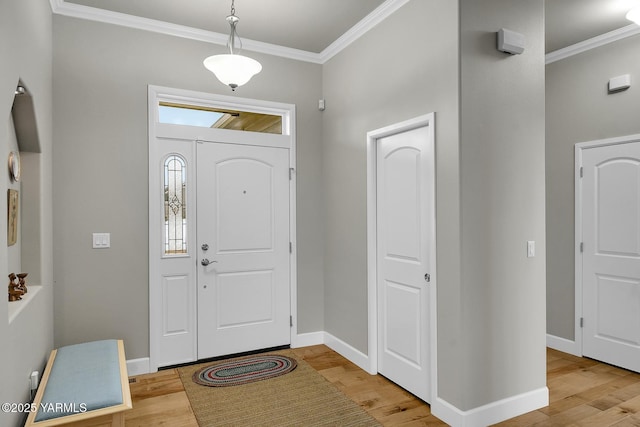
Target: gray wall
[503, 202]
[490, 184]
[579, 109]
[100, 75]
[490, 177]
[405, 67]
[25, 53]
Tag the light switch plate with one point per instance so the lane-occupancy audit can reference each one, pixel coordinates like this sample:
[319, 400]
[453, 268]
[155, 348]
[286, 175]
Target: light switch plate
[531, 249]
[101, 240]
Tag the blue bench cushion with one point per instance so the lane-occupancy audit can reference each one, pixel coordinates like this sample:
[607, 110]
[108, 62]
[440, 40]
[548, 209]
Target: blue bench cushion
[83, 377]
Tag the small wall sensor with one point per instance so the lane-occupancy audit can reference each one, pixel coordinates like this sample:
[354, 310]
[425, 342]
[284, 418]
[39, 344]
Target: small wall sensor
[321, 105]
[620, 83]
[510, 42]
[34, 380]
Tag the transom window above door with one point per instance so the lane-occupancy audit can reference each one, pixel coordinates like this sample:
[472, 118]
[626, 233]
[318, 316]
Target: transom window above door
[218, 118]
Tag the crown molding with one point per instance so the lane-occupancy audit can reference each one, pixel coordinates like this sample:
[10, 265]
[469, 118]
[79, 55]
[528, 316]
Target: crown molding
[592, 43]
[381, 13]
[73, 10]
[61, 7]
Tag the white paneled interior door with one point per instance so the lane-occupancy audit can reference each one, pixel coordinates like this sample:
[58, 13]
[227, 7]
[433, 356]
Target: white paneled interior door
[611, 254]
[243, 248]
[405, 215]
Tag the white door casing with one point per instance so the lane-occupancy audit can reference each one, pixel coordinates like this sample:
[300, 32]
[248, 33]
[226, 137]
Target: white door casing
[243, 238]
[173, 329]
[401, 235]
[609, 241]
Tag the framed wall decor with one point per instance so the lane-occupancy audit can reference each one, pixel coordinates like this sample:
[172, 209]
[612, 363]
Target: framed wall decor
[14, 166]
[12, 223]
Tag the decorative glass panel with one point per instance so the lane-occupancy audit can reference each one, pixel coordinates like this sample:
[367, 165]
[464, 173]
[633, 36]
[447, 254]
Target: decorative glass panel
[175, 205]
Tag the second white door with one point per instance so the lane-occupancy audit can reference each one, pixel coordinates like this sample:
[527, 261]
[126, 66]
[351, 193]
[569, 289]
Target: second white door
[405, 213]
[611, 257]
[243, 248]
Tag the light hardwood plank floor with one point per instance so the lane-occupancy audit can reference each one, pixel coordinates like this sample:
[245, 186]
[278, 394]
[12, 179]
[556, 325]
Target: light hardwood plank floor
[583, 392]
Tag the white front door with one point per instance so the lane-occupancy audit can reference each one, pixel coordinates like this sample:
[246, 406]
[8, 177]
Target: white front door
[405, 214]
[611, 254]
[243, 248]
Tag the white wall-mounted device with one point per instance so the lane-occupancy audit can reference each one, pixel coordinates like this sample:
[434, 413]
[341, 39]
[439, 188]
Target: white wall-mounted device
[510, 42]
[321, 105]
[101, 240]
[620, 83]
[531, 248]
[34, 380]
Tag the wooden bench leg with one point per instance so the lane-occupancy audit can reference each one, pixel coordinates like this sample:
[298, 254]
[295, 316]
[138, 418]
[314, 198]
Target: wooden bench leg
[118, 420]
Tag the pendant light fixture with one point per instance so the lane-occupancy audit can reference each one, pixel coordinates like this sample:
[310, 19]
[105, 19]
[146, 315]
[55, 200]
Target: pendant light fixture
[232, 69]
[634, 15]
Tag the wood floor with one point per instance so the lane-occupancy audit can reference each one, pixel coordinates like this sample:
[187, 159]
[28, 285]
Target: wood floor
[582, 392]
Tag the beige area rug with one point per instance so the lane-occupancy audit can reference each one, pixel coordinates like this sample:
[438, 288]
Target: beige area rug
[302, 397]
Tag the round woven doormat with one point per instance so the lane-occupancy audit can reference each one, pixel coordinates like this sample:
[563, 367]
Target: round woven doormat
[245, 370]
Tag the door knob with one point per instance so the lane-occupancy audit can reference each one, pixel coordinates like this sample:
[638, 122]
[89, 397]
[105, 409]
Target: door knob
[206, 262]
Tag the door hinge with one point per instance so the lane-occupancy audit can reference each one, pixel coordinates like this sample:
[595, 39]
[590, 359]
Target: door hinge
[290, 247]
[291, 170]
[581, 246]
[291, 321]
[581, 171]
[582, 322]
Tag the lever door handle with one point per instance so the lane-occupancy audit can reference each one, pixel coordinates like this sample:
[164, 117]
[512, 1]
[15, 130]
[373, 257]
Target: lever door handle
[206, 262]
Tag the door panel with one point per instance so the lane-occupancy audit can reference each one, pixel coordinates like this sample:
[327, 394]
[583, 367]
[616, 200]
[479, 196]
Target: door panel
[611, 258]
[623, 323]
[245, 298]
[172, 285]
[402, 208]
[618, 222]
[243, 217]
[404, 215]
[176, 296]
[402, 327]
[244, 187]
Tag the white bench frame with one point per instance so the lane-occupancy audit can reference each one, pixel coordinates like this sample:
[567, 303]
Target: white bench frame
[116, 411]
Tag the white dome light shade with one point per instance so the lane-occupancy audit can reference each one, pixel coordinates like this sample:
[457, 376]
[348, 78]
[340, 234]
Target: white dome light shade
[232, 70]
[634, 15]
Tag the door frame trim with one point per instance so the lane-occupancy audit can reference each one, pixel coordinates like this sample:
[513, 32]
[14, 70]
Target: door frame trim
[193, 134]
[578, 284]
[427, 120]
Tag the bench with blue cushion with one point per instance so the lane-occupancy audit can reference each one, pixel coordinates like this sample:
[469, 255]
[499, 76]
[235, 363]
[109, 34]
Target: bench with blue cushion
[83, 381]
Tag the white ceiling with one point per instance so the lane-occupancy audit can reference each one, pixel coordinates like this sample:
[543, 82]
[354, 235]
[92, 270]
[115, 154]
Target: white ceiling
[313, 25]
[572, 21]
[310, 25]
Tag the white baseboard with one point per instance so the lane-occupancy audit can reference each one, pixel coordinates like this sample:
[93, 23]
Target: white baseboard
[308, 339]
[138, 366]
[351, 353]
[493, 412]
[564, 345]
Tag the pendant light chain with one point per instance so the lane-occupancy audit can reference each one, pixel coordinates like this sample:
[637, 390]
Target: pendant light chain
[234, 43]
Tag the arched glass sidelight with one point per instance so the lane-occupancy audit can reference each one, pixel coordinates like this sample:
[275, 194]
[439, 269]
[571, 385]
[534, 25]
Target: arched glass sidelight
[175, 205]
